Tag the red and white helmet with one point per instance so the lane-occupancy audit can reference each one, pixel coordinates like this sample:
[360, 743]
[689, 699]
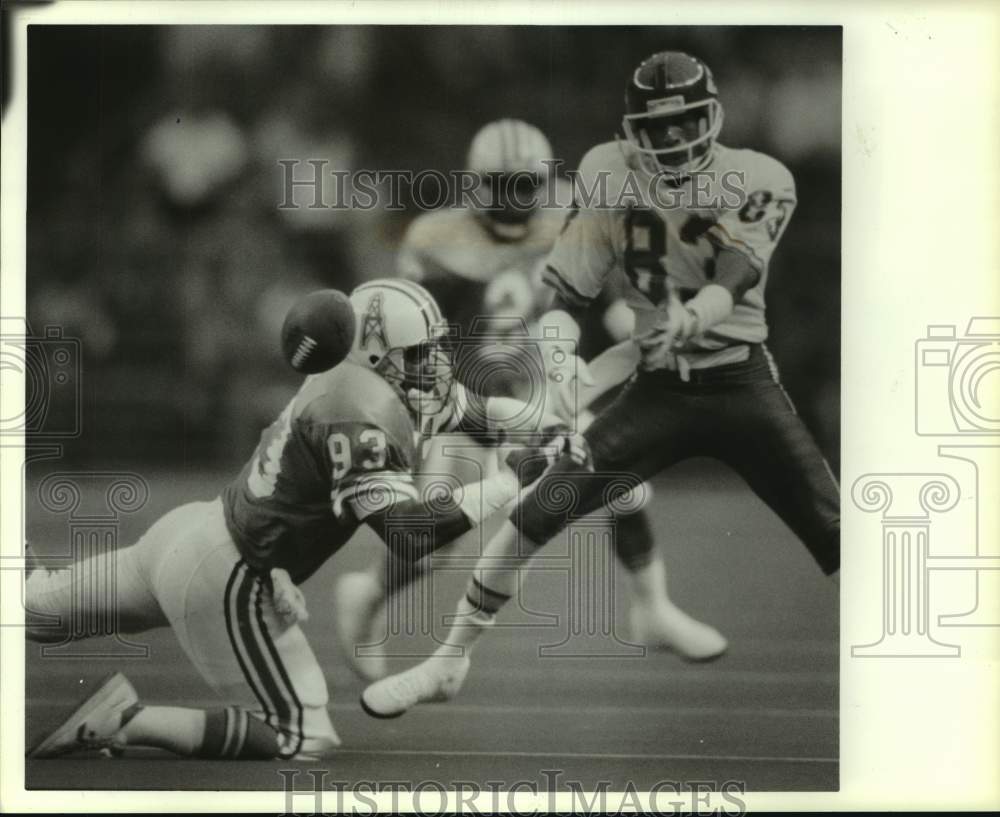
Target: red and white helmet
[673, 114]
[512, 160]
[402, 336]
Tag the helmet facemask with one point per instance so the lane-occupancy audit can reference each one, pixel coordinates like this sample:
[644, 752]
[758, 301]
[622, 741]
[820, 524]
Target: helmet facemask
[675, 138]
[509, 201]
[422, 375]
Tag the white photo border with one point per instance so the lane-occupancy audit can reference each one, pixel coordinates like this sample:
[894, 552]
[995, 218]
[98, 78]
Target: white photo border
[921, 111]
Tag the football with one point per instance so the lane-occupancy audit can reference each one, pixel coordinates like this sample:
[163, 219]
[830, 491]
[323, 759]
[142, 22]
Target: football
[318, 331]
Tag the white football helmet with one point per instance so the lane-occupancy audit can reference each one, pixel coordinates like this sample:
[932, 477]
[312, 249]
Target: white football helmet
[510, 157]
[402, 336]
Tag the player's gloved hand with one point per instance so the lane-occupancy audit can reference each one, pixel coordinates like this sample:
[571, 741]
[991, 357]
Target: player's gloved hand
[289, 602]
[676, 326]
[529, 459]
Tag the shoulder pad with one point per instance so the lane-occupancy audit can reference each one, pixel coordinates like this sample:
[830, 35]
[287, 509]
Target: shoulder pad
[763, 172]
[606, 172]
[350, 393]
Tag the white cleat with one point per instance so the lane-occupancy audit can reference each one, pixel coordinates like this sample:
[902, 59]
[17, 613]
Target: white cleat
[359, 602]
[315, 750]
[94, 724]
[439, 678]
[667, 627]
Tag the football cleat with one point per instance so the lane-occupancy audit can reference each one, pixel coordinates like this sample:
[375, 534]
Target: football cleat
[359, 614]
[95, 724]
[667, 627]
[439, 678]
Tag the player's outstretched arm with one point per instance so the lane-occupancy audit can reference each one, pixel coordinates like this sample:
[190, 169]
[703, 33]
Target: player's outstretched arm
[449, 513]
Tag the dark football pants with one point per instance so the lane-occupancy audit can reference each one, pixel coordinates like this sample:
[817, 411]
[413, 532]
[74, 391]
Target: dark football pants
[737, 413]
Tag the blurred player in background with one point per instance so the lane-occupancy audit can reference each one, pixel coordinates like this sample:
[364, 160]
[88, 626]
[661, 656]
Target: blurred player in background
[696, 265]
[224, 574]
[484, 265]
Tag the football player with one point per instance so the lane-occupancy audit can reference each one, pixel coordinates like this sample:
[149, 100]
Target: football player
[224, 574]
[484, 264]
[696, 262]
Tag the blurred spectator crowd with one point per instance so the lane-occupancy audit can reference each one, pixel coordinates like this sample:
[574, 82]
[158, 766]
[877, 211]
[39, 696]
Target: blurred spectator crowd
[155, 237]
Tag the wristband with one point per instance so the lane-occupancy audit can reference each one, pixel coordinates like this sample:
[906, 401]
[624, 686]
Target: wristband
[712, 304]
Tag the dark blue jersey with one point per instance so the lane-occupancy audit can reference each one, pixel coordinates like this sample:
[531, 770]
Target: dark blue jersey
[345, 436]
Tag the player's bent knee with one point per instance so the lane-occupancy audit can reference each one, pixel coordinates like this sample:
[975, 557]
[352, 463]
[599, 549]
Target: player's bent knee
[568, 490]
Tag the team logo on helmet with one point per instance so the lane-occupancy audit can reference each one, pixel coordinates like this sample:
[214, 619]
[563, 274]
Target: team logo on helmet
[373, 325]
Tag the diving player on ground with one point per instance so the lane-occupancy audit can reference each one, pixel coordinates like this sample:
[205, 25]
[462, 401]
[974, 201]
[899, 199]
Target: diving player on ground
[224, 574]
[706, 384]
[484, 265]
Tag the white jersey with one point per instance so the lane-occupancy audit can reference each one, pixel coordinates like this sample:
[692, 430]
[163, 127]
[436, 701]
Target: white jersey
[659, 238]
[473, 273]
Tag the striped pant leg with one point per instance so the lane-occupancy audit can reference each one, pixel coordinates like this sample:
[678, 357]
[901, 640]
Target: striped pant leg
[223, 615]
[277, 664]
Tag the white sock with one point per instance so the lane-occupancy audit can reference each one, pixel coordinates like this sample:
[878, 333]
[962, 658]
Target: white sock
[176, 729]
[649, 584]
[471, 622]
